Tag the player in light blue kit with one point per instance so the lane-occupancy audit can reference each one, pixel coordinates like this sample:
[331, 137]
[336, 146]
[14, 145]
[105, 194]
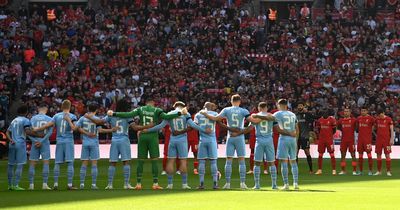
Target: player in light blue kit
[287, 145]
[16, 134]
[90, 144]
[264, 148]
[63, 122]
[178, 143]
[40, 147]
[235, 116]
[208, 148]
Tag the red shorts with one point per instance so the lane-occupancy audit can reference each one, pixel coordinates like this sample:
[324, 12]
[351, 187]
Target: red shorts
[363, 146]
[324, 145]
[383, 145]
[347, 145]
[193, 145]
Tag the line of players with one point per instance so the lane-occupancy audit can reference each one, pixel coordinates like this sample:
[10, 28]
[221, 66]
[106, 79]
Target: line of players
[39, 128]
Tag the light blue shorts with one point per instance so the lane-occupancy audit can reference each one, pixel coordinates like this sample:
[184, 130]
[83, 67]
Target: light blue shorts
[264, 150]
[178, 148]
[207, 150]
[17, 154]
[235, 144]
[90, 152]
[287, 149]
[120, 148]
[43, 151]
[65, 152]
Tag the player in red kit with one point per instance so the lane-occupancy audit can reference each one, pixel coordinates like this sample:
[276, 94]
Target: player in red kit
[347, 125]
[365, 123]
[193, 141]
[384, 140]
[326, 126]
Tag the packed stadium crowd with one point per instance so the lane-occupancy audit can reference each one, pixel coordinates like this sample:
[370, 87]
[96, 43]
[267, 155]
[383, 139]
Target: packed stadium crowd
[196, 53]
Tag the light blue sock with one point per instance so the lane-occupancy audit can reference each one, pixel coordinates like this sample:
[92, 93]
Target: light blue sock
[228, 171]
[82, 174]
[285, 172]
[10, 174]
[45, 173]
[170, 178]
[95, 172]
[18, 174]
[257, 175]
[242, 171]
[272, 170]
[70, 173]
[127, 173]
[214, 170]
[31, 173]
[184, 178]
[295, 172]
[202, 170]
[111, 173]
[56, 173]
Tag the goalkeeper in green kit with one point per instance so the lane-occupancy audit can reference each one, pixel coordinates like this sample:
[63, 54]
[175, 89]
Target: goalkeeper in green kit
[148, 142]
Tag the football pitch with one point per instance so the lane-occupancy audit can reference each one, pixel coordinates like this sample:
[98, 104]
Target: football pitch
[316, 192]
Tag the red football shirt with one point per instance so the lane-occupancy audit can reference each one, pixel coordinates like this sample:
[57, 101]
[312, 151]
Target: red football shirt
[365, 124]
[383, 128]
[326, 128]
[348, 126]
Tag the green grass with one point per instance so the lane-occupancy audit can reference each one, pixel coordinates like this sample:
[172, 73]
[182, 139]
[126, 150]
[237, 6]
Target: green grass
[316, 192]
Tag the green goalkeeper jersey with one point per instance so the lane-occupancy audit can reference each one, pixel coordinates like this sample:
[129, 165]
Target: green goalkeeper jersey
[147, 114]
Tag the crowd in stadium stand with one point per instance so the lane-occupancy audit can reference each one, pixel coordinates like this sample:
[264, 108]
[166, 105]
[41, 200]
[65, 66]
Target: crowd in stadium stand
[197, 53]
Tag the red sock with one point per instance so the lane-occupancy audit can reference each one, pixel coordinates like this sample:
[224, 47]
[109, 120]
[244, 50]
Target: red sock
[388, 163]
[333, 161]
[360, 161]
[164, 162]
[343, 165]
[265, 165]
[251, 161]
[277, 165]
[354, 164]
[370, 162]
[196, 164]
[379, 160]
[320, 161]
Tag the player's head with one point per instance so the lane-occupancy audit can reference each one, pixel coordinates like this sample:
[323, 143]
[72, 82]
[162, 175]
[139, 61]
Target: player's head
[179, 105]
[282, 104]
[22, 110]
[236, 99]
[122, 106]
[209, 106]
[66, 105]
[150, 101]
[347, 112]
[43, 108]
[92, 107]
[300, 106]
[364, 111]
[262, 107]
[325, 113]
[381, 112]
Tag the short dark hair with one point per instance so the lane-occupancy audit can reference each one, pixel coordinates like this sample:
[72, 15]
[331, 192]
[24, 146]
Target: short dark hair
[92, 107]
[22, 110]
[122, 106]
[236, 97]
[262, 105]
[282, 102]
[380, 111]
[365, 107]
[43, 105]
